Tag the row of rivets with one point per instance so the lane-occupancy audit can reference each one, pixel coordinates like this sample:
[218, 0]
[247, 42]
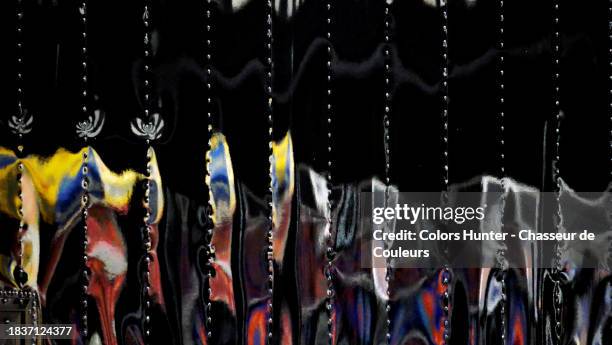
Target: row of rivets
[387, 90]
[556, 56]
[147, 246]
[84, 171]
[502, 309]
[34, 312]
[270, 233]
[444, 93]
[85, 273]
[330, 251]
[556, 61]
[19, 274]
[19, 67]
[148, 55]
[83, 18]
[445, 302]
[501, 263]
[387, 129]
[146, 230]
[446, 275]
[7, 293]
[501, 90]
[208, 53]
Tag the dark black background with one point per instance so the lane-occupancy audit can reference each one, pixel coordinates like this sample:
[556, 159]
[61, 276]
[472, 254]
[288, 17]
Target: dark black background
[115, 44]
